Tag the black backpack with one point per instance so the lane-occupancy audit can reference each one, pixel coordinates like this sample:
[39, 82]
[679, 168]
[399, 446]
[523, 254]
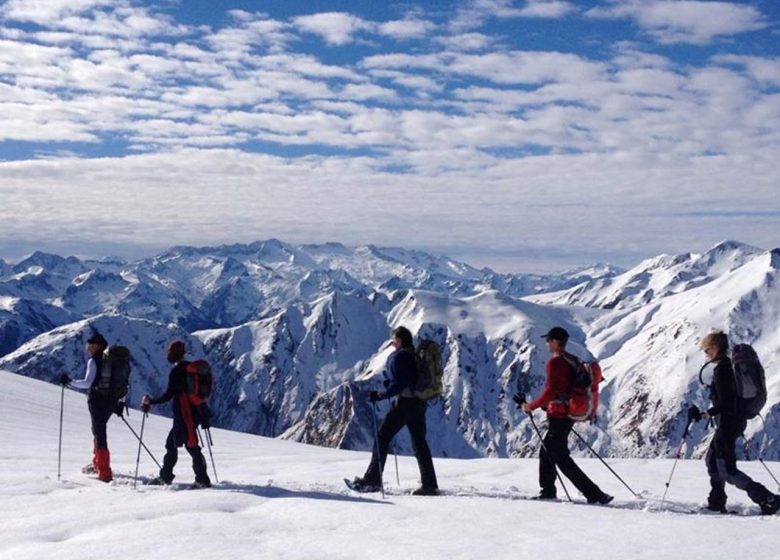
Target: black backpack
[749, 380]
[114, 381]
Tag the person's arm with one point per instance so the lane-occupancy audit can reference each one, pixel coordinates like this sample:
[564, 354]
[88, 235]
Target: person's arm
[548, 391]
[403, 373]
[89, 376]
[175, 380]
[724, 395]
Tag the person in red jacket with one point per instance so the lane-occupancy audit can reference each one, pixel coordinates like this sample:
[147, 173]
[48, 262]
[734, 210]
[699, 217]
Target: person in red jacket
[555, 446]
[186, 419]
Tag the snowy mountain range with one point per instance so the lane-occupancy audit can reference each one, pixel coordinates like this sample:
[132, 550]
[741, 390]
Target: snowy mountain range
[296, 336]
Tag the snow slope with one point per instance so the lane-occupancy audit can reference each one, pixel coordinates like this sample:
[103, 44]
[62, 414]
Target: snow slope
[283, 500]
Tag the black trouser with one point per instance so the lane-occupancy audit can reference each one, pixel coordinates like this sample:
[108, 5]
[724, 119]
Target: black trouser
[555, 452]
[721, 461]
[172, 445]
[100, 412]
[409, 412]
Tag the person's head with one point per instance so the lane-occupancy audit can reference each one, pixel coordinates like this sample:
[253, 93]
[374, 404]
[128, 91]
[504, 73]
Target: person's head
[176, 351]
[96, 344]
[715, 345]
[400, 337]
[556, 338]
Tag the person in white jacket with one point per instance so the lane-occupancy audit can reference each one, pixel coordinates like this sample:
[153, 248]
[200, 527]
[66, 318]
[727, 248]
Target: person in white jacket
[100, 407]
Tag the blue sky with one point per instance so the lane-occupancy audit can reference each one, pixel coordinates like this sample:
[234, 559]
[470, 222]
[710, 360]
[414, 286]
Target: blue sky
[522, 135]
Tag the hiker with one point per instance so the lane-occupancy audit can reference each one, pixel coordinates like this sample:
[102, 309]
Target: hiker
[408, 410]
[555, 447]
[186, 419]
[100, 406]
[730, 423]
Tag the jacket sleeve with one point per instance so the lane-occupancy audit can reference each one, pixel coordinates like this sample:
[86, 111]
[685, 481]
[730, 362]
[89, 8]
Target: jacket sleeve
[89, 376]
[402, 371]
[549, 390]
[723, 393]
[176, 384]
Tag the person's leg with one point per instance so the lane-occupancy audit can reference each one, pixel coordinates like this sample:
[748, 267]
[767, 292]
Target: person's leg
[199, 466]
[422, 452]
[100, 412]
[170, 458]
[725, 463]
[716, 501]
[557, 442]
[395, 419]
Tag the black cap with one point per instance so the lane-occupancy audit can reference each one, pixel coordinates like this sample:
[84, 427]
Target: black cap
[557, 333]
[97, 338]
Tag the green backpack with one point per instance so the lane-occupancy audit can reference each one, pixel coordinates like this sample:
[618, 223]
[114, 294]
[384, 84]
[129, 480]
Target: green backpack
[429, 371]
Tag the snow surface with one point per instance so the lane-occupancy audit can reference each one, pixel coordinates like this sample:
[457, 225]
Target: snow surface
[285, 500]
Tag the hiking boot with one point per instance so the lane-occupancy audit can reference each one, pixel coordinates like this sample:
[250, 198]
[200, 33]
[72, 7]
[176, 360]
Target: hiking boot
[544, 495]
[157, 481]
[361, 485]
[603, 500]
[426, 491]
[200, 485]
[715, 508]
[771, 505]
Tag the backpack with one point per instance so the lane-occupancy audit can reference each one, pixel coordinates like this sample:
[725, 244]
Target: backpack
[427, 357]
[114, 381]
[749, 379]
[583, 403]
[200, 382]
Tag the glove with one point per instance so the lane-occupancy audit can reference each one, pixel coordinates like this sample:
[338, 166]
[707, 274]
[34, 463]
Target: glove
[65, 380]
[375, 396]
[205, 417]
[519, 399]
[120, 409]
[694, 413]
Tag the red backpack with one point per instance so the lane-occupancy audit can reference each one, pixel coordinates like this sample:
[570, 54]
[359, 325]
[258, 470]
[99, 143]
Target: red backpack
[583, 402]
[200, 382]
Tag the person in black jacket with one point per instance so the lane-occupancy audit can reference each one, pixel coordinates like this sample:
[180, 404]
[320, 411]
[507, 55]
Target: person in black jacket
[186, 418]
[408, 411]
[100, 407]
[721, 458]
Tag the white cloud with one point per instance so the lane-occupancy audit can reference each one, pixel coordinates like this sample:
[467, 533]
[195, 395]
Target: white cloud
[764, 70]
[406, 28]
[336, 28]
[363, 92]
[337, 198]
[685, 21]
[466, 41]
[47, 12]
[452, 111]
[546, 9]
[475, 13]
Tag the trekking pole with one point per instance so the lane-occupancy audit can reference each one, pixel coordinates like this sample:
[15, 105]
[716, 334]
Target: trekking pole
[761, 459]
[397, 476]
[209, 443]
[141, 443]
[378, 452]
[59, 446]
[605, 463]
[693, 415]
